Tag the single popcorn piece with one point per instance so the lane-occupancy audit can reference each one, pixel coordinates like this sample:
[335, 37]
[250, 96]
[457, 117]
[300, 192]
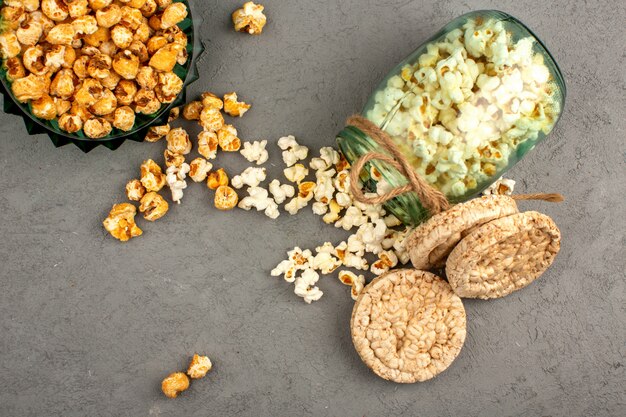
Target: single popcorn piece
[297, 260]
[173, 14]
[227, 138]
[251, 177]
[296, 173]
[292, 151]
[234, 108]
[211, 119]
[192, 110]
[353, 217]
[257, 198]
[152, 178]
[372, 235]
[301, 200]
[216, 179]
[305, 286]
[386, 261]
[178, 141]
[328, 157]
[199, 168]
[174, 384]
[325, 262]
[121, 222]
[176, 180]
[249, 18]
[135, 190]
[255, 152]
[172, 158]
[356, 282]
[502, 186]
[153, 206]
[207, 144]
[210, 100]
[281, 191]
[333, 212]
[199, 366]
[225, 198]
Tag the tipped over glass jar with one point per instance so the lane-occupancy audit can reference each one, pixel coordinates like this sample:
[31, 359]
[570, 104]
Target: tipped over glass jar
[463, 109]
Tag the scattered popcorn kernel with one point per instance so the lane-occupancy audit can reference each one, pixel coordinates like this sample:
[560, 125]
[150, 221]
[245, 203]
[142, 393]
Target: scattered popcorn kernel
[192, 110]
[210, 100]
[207, 144]
[174, 114]
[174, 384]
[211, 119]
[297, 260]
[357, 287]
[281, 191]
[356, 282]
[328, 157]
[176, 180]
[227, 138]
[199, 366]
[249, 18]
[301, 200]
[296, 173]
[173, 14]
[305, 286]
[178, 141]
[153, 206]
[257, 198]
[173, 158]
[255, 152]
[216, 179]
[502, 186]
[225, 198]
[199, 168]
[386, 261]
[97, 128]
[333, 212]
[121, 222]
[325, 262]
[135, 190]
[292, 151]
[233, 107]
[251, 177]
[151, 176]
[156, 133]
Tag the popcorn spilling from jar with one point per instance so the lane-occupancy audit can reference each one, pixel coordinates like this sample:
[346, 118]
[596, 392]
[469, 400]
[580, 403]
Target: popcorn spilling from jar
[467, 104]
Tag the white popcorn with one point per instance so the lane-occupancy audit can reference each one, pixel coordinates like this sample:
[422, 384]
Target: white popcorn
[257, 198]
[372, 235]
[292, 151]
[296, 173]
[386, 261]
[502, 186]
[392, 221]
[355, 245]
[272, 210]
[255, 151]
[175, 179]
[251, 177]
[325, 262]
[298, 203]
[297, 260]
[399, 247]
[319, 208]
[353, 217]
[281, 191]
[324, 189]
[356, 282]
[328, 157]
[342, 181]
[305, 286]
[333, 213]
[343, 199]
[352, 260]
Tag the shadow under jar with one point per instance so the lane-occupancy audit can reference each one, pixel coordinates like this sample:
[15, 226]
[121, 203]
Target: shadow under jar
[463, 109]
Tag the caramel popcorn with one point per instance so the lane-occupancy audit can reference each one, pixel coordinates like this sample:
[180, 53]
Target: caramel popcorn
[121, 222]
[146, 102]
[165, 58]
[174, 384]
[192, 110]
[211, 119]
[173, 14]
[169, 86]
[153, 206]
[151, 176]
[135, 190]
[199, 366]
[225, 198]
[228, 140]
[44, 108]
[173, 158]
[199, 168]
[249, 18]
[124, 118]
[207, 144]
[217, 179]
[210, 100]
[97, 128]
[178, 141]
[233, 107]
[156, 133]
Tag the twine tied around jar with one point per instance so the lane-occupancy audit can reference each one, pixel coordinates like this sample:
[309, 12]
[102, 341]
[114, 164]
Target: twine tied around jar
[431, 198]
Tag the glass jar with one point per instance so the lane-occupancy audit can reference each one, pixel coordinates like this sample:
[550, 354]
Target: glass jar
[463, 108]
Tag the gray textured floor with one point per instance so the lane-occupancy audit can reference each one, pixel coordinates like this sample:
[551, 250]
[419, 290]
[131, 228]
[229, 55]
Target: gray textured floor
[89, 326]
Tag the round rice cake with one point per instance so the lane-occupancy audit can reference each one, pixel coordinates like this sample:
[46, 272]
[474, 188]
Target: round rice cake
[430, 243]
[503, 256]
[408, 325]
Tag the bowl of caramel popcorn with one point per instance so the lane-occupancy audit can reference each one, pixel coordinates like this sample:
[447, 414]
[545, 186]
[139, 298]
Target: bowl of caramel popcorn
[96, 72]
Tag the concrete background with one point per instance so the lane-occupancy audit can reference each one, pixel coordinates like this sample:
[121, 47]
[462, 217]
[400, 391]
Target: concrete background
[89, 326]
